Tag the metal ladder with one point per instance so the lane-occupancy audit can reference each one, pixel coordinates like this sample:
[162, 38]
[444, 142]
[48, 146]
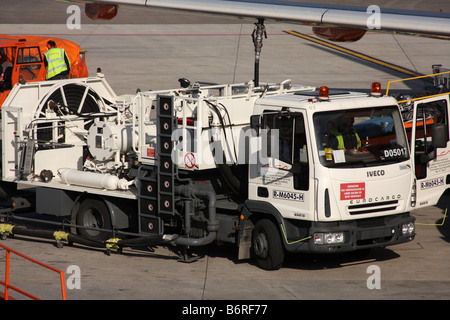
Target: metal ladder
[156, 183]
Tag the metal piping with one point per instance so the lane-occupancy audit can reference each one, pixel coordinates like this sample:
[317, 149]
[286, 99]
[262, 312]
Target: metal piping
[213, 224]
[196, 242]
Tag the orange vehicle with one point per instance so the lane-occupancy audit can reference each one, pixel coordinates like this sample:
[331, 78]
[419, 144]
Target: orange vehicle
[22, 59]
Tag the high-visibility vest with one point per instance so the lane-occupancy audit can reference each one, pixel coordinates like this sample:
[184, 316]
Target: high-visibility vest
[55, 62]
[340, 139]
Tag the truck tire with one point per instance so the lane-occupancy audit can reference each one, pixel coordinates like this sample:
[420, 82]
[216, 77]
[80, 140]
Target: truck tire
[267, 249]
[95, 214]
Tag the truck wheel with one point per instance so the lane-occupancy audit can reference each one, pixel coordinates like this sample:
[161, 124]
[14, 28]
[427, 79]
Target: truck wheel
[93, 213]
[267, 248]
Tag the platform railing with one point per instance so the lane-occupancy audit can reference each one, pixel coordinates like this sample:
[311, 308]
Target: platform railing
[7, 284]
[415, 78]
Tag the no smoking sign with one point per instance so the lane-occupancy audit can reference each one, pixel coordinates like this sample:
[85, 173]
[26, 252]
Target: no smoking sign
[189, 160]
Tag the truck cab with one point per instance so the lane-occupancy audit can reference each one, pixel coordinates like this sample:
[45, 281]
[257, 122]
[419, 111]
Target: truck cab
[326, 197]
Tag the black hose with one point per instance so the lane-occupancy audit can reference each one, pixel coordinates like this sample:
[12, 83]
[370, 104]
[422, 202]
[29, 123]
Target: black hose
[50, 234]
[23, 231]
[73, 238]
[142, 241]
[230, 179]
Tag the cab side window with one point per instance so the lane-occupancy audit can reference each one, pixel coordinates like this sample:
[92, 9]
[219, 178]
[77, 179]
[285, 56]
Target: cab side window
[279, 128]
[300, 165]
[288, 131]
[29, 55]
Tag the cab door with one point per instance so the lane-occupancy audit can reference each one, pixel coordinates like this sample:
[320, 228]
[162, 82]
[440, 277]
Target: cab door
[430, 149]
[29, 65]
[283, 174]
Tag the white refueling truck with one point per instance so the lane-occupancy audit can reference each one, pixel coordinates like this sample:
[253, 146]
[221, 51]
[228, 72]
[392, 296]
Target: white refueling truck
[263, 167]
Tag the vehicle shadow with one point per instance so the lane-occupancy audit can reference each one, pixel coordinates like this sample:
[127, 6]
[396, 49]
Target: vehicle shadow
[307, 261]
[338, 260]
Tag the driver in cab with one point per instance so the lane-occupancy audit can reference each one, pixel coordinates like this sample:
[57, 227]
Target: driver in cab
[344, 135]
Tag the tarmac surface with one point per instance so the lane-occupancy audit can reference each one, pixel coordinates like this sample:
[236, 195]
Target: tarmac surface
[154, 54]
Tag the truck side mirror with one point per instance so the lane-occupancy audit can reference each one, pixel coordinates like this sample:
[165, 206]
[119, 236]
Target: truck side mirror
[255, 122]
[439, 133]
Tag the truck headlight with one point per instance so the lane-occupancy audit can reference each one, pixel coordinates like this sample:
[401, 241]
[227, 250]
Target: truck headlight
[408, 228]
[328, 238]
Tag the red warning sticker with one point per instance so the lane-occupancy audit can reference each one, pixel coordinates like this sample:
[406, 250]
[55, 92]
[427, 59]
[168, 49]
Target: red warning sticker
[350, 191]
[151, 152]
[189, 160]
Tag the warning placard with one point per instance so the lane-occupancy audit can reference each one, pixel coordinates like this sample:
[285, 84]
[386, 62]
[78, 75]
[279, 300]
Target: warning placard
[189, 160]
[350, 191]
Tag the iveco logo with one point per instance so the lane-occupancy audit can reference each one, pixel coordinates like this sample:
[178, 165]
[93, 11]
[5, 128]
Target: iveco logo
[375, 173]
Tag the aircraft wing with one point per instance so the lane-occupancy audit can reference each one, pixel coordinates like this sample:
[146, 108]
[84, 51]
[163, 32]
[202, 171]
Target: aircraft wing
[322, 15]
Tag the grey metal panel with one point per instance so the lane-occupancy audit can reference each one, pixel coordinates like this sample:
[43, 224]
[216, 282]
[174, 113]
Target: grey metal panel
[54, 201]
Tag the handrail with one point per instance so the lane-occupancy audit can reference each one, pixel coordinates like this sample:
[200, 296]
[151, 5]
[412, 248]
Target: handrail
[8, 286]
[414, 78]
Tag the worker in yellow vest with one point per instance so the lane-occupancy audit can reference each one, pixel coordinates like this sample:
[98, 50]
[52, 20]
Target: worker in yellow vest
[345, 135]
[56, 62]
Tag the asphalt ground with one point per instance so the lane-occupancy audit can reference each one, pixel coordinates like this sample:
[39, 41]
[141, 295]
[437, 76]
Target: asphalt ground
[153, 55]
[417, 270]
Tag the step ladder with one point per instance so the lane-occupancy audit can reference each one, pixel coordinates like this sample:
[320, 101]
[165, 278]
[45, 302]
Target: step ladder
[156, 195]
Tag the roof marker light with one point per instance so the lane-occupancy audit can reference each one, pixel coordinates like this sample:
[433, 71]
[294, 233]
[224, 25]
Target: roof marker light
[376, 89]
[323, 93]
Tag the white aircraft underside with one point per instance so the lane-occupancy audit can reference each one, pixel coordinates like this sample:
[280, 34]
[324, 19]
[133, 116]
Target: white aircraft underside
[372, 17]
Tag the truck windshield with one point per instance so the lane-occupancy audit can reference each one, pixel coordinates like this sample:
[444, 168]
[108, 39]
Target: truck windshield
[360, 137]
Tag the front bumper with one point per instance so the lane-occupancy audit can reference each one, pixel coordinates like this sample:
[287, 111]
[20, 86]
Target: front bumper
[357, 234]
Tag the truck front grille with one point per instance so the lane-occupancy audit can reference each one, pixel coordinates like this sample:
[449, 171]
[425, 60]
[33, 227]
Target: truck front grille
[373, 207]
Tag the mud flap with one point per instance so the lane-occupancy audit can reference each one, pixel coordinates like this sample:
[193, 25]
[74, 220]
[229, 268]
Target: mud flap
[245, 241]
